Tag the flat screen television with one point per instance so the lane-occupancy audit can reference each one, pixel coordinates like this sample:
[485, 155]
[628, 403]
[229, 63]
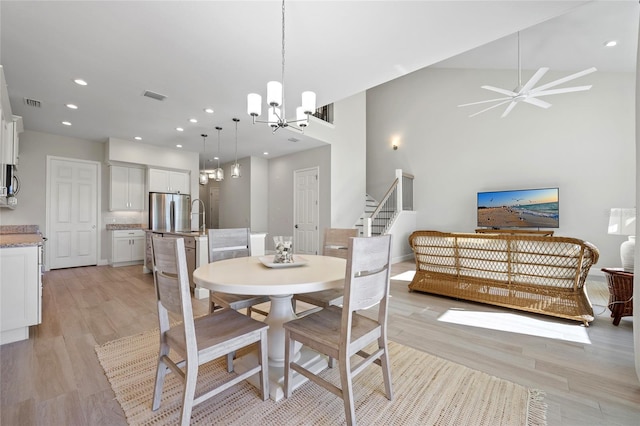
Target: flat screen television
[519, 208]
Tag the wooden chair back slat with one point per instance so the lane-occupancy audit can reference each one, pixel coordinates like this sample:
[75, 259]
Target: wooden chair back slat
[228, 243]
[336, 241]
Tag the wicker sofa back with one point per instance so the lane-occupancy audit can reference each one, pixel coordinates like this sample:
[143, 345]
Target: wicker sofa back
[533, 273]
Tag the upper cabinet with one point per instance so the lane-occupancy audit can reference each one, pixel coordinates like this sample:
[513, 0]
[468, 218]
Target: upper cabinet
[168, 181]
[127, 188]
[10, 126]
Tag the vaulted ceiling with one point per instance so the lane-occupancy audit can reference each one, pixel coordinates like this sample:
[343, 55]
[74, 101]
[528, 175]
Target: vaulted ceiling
[213, 53]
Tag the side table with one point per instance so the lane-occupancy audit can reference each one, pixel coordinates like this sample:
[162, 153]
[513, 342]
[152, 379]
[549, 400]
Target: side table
[620, 285]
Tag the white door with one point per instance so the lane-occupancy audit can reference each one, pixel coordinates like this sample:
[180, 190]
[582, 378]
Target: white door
[305, 215]
[72, 212]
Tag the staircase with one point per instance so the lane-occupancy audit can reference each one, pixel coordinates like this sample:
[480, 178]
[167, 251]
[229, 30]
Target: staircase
[378, 217]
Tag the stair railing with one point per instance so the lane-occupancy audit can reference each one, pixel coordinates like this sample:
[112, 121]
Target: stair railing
[399, 197]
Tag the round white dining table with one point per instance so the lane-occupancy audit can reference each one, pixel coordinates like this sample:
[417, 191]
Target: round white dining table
[252, 276]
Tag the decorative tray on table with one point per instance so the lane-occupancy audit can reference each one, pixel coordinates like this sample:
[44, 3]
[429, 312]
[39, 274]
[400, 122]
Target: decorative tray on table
[269, 263]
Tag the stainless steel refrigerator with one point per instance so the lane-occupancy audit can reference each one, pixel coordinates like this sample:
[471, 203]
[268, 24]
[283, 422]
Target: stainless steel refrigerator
[169, 212]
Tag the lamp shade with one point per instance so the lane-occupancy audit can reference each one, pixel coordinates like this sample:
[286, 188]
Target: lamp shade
[254, 104]
[622, 221]
[309, 102]
[301, 118]
[274, 93]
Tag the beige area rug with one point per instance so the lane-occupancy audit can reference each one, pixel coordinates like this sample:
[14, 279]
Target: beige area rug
[427, 391]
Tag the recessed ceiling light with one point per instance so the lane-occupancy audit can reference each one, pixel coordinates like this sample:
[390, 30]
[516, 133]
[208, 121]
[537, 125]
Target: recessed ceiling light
[138, 138]
[216, 158]
[66, 123]
[265, 153]
[193, 120]
[180, 129]
[178, 146]
[80, 82]
[208, 110]
[611, 43]
[71, 106]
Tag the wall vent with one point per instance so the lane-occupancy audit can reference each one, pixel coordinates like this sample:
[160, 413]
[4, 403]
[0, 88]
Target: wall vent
[154, 95]
[32, 103]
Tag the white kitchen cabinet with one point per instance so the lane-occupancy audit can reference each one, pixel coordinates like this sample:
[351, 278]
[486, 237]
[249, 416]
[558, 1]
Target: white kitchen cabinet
[127, 188]
[127, 247]
[20, 292]
[169, 181]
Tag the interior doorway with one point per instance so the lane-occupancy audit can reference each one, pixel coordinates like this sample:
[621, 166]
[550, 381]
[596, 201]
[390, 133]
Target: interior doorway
[306, 208]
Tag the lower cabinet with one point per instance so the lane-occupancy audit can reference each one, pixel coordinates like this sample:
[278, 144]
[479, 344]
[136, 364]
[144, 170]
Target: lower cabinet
[127, 247]
[20, 292]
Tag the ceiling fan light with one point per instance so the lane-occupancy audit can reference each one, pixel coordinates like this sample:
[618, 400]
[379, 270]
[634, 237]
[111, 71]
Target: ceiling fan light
[254, 104]
[274, 93]
[309, 102]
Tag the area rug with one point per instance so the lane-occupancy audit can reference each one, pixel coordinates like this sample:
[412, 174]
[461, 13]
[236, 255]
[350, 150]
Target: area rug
[427, 391]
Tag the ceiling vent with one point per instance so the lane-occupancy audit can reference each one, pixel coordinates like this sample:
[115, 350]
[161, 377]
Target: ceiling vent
[32, 103]
[293, 140]
[154, 95]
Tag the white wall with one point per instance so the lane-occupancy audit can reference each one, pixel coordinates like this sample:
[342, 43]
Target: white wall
[281, 190]
[235, 196]
[259, 194]
[584, 144]
[34, 148]
[348, 139]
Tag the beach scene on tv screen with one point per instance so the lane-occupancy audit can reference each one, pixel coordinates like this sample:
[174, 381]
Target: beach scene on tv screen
[520, 208]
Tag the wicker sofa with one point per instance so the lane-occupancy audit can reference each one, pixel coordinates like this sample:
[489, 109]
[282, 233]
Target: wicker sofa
[533, 273]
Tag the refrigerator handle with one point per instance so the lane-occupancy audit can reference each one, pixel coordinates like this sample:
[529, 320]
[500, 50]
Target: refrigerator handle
[172, 215]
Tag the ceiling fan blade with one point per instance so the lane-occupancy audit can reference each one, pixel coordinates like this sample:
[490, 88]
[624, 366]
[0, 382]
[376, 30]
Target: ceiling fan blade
[508, 110]
[536, 102]
[499, 90]
[564, 79]
[484, 102]
[491, 107]
[565, 90]
[533, 80]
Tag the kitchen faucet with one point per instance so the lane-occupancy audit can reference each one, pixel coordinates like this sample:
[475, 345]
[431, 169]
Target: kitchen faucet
[203, 215]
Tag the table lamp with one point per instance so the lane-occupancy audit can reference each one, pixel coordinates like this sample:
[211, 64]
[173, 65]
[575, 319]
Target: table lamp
[623, 222]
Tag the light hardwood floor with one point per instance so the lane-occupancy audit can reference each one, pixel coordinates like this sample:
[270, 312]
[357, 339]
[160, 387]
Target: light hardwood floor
[54, 378]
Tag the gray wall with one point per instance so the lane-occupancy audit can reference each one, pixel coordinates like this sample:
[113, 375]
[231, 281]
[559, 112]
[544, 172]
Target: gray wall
[584, 144]
[281, 187]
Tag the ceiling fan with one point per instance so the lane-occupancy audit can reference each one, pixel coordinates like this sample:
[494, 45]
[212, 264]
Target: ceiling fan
[528, 93]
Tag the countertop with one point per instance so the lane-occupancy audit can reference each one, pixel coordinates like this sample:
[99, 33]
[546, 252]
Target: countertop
[123, 226]
[20, 240]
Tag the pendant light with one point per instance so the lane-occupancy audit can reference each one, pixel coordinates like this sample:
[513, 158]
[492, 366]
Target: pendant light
[218, 173]
[275, 100]
[235, 170]
[204, 178]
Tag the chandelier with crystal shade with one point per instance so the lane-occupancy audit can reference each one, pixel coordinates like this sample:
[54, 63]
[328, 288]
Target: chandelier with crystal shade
[235, 169]
[204, 177]
[276, 115]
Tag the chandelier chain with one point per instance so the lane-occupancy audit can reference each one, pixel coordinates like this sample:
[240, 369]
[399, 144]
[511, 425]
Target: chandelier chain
[283, 111]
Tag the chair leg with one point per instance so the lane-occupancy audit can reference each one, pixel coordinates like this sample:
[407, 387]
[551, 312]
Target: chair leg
[191, 376]
[161, 372]
[230, 357]
[386, 369]
[264, 363]
[347, 390]
[287, 366]
[331, 362]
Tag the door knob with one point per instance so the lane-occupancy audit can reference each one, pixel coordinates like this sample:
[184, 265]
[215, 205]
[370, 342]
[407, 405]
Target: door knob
[296, 226]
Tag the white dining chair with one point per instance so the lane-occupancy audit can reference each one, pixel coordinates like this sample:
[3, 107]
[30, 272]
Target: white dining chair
[341, 333]
[334, 244]
[201, 340]
[230, 243]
